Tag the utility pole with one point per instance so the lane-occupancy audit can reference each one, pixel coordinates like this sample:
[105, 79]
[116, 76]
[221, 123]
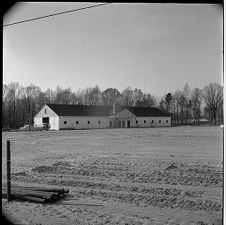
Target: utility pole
[8, 162]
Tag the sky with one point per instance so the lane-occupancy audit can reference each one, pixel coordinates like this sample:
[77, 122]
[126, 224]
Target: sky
[151, 46]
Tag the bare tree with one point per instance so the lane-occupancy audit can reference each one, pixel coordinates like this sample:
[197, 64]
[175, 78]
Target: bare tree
[188, 104]
[110, 96]
[196, 100]
[176, 100]
[187, 91]
[138, 97]
[92, 96]
[168, 100]
[127, 97]
[50, 95]
[149, 100]
[182, 104]
[21, 103]
[213, 96]
[80, 97]
[4, 105]
[31, 94]
[162, 105]
[10, 95]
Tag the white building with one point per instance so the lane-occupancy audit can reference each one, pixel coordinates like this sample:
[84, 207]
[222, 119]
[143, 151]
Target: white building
[141, 117]
[60, 117]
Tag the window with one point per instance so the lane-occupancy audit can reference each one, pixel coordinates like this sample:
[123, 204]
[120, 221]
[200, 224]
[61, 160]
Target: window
[136, 121]
[160, 121]
[45, 111]
[152, 121]
[45, 120]
[98, 122]
[166, 121]
[77, 122]
[65, 122]
[144, 121]
[88, 122]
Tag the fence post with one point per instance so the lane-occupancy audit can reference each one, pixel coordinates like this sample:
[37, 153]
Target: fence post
[8, 172]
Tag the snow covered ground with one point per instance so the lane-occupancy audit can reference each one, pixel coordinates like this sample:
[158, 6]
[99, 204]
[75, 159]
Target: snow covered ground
[146, 176]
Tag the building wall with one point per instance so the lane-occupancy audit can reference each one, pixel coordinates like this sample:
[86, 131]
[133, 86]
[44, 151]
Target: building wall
[125, 115]
[47, 112]
[125, 118]
[153, 121]
[83, 122]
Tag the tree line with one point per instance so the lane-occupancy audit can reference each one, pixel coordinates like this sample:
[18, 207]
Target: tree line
[20, 104]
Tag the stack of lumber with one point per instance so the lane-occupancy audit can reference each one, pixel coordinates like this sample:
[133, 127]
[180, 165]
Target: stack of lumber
[35, 194]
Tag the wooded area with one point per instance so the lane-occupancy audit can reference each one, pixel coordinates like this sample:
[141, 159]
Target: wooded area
[20, 103]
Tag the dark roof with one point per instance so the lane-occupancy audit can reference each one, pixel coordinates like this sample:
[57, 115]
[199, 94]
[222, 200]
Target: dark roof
[80, 110]
[90, 110]
[147, 112]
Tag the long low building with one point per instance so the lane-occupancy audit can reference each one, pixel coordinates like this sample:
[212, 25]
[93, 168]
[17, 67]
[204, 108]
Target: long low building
[62, 117]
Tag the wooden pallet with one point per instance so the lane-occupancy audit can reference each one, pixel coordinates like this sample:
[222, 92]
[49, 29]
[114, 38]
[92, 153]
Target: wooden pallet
[35, 194]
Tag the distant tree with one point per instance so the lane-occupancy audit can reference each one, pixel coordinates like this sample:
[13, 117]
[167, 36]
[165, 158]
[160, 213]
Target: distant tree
[10, 100]
[168, 100]
[4, 105]
[40, 100]
[22, 103]
[187, 95]
[73, 98]
[187, 91]
[182, 104]
[110, 96]
[92, 96]
[220, 112]
[31, 94]
[80, 99]
[66, 96]
[95, 96]
[162, 105]
[127, 97]
[138, 97]
[213, 96]
[196, 101]
[149, 100]
[176, 100]
[50, 95]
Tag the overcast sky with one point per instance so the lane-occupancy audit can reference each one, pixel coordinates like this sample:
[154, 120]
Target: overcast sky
[155, 47]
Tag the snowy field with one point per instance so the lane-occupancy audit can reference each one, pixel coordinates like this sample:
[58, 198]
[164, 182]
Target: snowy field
[124, 176]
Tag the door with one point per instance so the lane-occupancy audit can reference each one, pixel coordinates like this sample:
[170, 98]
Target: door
[45, 120]
[128, 123]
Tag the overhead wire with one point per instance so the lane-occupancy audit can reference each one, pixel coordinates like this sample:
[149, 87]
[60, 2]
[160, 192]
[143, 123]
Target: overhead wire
[55, 14]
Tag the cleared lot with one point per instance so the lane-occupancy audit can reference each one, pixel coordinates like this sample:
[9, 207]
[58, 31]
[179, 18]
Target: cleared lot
[139, 176]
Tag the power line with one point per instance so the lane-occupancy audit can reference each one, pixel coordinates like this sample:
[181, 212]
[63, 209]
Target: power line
[55, 14]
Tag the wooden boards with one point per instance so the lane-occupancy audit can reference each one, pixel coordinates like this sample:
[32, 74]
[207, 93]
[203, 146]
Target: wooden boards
[35, 194]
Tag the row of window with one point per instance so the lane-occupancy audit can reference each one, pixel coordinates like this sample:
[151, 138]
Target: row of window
[77, 122]
[88, 122]
[152, 121]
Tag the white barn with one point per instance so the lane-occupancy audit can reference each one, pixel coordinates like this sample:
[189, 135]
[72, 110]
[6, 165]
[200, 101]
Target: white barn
[141, 117]
[60, 117]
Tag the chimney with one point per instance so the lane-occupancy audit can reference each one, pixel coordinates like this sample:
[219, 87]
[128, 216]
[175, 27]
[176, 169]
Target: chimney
[113, 109]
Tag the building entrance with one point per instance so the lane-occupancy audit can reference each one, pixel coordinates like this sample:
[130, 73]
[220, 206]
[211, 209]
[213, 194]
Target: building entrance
[128, 123]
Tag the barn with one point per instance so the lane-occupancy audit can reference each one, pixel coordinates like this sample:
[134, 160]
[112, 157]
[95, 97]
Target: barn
[62, 117]
[140, 117]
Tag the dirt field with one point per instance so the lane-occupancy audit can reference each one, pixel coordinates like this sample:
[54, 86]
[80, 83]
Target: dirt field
[121, 176]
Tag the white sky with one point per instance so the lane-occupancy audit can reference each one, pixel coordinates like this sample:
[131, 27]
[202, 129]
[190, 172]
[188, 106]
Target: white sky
[155, 47]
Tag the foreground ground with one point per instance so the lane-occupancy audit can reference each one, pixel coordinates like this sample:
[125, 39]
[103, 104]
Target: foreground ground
[121, 176]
